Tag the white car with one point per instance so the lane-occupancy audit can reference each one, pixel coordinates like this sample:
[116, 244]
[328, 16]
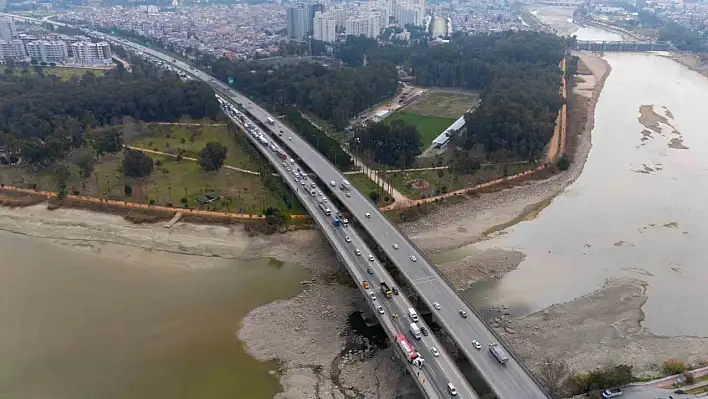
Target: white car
[395, 246]
[349, 194]
[288, 168]
[332, 183]
[303, 182]
[380, 309]
[434, 351]
[368, 215]
[372, 296]
[319, 192]
[313, 185]
[436, 305]
[347, 239]
[324, 199]
[371, 258]
[476, 344]
[413, 258]
[292, 162]
[290, 138]
[357, 252]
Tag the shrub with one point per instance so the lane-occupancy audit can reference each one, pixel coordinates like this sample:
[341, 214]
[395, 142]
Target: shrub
[673, 366]
[128, 190]
[563, 163]
[608, 377]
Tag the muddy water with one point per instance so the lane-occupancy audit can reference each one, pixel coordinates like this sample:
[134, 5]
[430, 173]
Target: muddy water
[80, 325]
[637, 210]
[593, 34]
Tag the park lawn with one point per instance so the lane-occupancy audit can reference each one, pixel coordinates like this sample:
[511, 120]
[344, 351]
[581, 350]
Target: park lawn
[174, 181]
[65, 73]
[429, 127]
[441, 181]
[444, 105]
[366, 186]
[173, 138]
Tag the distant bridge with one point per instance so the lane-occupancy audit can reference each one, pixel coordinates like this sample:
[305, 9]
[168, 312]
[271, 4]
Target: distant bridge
[620, 46]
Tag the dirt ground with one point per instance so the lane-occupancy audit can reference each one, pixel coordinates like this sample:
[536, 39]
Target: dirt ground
[444, 104]
[597, 329]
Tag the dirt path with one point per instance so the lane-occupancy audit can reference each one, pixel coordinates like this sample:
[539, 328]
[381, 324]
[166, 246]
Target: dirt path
[166, 154]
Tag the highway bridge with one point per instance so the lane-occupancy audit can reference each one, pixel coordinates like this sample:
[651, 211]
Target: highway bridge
[622, 46]
[460, 321]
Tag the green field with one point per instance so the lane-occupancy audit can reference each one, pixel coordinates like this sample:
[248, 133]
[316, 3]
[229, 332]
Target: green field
[189, 140]
[429, 127]
[62, 72]
[366, 186]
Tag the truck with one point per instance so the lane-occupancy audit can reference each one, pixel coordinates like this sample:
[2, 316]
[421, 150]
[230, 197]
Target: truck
[325, 209]
[344, 185]
[386, 290]
[336, 221]
[415, 330]
[412, 356]
[270, 120]
[498, 352]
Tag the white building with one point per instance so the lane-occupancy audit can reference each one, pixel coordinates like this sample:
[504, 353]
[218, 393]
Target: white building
[7, 28]
[91, 53]
[12, 50]
[48, 51]
[324, 27]
[367, 24]
[409, 12]
[438, 27]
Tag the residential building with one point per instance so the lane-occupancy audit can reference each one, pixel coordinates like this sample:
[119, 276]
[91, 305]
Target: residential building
[55, 51]
[298, 24]
[438, 27]
[367, 24]
[314, 8]
[13, 50]
[91, 53]
[406, 14]
[324, 27]
[7, 28]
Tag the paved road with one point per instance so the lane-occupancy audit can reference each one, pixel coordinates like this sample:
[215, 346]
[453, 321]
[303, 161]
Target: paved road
[509, 381]
[438, 371]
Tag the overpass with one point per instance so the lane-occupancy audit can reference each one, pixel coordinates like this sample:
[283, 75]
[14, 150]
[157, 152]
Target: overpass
[510, 380]
[622, 46]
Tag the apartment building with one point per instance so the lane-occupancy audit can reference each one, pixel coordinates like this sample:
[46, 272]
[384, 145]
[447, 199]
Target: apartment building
[91, 53]
[298, 21]
[12, 50]
[7, 28]
[324, 27]
[367, 24]
[55, 51]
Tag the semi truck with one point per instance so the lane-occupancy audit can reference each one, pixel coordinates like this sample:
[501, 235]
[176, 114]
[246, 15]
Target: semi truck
[386, 290]
[409, 351]
[498, 352]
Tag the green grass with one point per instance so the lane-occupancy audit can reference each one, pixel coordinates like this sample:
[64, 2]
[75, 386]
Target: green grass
[172, 139]
[442, 180]
[64, 73]
[366, 186]
[429, 127]
[444, 105]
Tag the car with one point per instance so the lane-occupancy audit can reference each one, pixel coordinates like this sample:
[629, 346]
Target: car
[313, 185]
[324, 199]
[303, 182]
[370, 271]
[424, 331]
[292, 162]
[290, 138]
[349, 194]
[436, 305]
[413, 258]
[347, 239]
[372, 296]
[357, 252]
[365, 284]
[319, 192]
[476, 344]
[452, 390]
[611, 393]
[434, 351]
[285, 163]
[368, 215]
[332, 183]
[297, 180]
[395, 290]
[380, 309]
[288, 168]
[395, 246]
[463, 314]
[371, 258]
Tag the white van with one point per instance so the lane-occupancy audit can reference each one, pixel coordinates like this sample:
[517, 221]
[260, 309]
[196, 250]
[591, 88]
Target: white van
[451, 389]
[413, 314]
[415, 330]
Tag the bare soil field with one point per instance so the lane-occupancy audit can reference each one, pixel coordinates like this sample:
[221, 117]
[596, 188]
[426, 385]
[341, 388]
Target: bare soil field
[444, 104]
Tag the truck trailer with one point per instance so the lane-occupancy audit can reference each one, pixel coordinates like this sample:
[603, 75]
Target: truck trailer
[386, 290]
[499, 353]
[412, 356]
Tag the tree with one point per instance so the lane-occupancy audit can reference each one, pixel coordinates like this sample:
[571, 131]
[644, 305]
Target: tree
[212, 156]
[563, 162]
[553, 372]
[84, 159]
[136, 164]
[396, 144]
[107, 140]
[128, 190]
[673, 366]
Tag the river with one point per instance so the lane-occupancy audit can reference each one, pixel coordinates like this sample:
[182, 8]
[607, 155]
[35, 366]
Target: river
[76, 324]
[637, 210]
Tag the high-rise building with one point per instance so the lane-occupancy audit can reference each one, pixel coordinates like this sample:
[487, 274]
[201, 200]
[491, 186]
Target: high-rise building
[48, 51]
[409, 12]
[3, 4]
[438, 27]
[7, 29]
[314, 8]
[91, 53]
[298, 25]
[367, 24]
[324, 27]
[12, 50]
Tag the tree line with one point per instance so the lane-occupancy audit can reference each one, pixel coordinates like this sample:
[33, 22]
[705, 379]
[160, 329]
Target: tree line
[43, 116]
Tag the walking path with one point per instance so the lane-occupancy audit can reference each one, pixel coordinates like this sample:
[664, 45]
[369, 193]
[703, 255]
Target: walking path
[185, 124]
[167, 154]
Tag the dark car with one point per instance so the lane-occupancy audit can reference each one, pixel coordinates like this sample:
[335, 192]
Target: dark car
[370, 271]
[424, 331]
[395, 291]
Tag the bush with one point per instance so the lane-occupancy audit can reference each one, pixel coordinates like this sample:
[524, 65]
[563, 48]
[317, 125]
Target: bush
[672, 366]
[128, 190]
[608, 377]
[374, 195]
[563, 163]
